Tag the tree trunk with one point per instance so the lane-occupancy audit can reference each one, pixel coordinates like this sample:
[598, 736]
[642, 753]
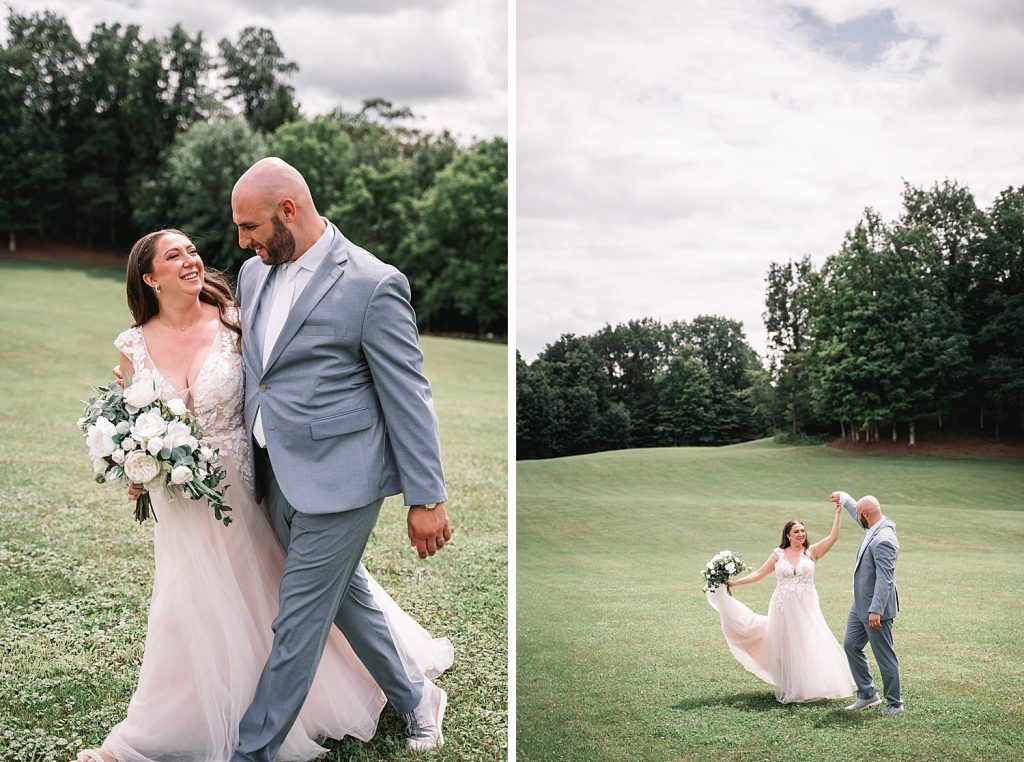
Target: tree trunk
[793, 408]
[913, 439]
[940, 419]
[981, 416]
[894, 438]
[12, 244]
[842, 428]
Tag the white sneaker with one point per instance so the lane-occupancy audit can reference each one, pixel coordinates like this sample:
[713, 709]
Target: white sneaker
[423, 724]
[864, 703]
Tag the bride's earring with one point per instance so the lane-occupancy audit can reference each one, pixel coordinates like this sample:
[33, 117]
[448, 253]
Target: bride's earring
[156, 287]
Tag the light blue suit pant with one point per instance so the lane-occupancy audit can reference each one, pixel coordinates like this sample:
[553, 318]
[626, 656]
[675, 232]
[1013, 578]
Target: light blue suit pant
[323, 583]
[858, 635]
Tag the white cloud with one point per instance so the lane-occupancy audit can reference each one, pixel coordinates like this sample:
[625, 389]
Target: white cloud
[666, 157]
[446, 59]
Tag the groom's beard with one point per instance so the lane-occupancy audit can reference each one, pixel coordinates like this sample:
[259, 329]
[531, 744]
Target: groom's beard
[864, 522]
[281, 245]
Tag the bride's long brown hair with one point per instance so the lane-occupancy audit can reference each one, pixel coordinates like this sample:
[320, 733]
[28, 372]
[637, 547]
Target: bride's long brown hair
[141, 299]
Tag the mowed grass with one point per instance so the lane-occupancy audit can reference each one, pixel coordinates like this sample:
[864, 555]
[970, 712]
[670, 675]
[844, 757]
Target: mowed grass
[620, 657]
[77, 572]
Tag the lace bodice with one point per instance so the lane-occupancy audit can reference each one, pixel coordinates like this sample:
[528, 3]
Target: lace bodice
[791, 581]
[215, 396]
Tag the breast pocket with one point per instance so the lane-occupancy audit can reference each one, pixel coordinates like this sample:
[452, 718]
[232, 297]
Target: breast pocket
[323, 329]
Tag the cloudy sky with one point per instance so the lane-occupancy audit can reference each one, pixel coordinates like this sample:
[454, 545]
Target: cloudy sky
[669, 151]
[446, 59]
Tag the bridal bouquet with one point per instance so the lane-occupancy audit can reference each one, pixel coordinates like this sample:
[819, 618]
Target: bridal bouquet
[722, 566]
[135, 437]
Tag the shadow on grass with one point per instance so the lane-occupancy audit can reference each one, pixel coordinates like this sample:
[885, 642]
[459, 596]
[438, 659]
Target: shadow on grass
[835, 716]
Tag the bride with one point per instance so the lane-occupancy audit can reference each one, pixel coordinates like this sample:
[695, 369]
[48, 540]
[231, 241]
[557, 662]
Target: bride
[792, 647]
[215, 587]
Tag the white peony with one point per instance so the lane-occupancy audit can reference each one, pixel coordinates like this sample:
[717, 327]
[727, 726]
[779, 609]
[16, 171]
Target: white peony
[177, 406]
[155, 445]
[179, 434]
[142, 392]
[205, 453]
[117, 456]
[181, 474]
[149, 424]
[730, 567]
[100, 438]
[99, 465]
[140, 467]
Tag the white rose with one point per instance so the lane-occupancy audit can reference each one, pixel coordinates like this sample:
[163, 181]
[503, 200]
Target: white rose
[100, 438]
[181, 474]
[117, 456]
[140, 467]
[177, 406]
[179, 434]
[149, 424]
[205, 453]
[154, 446]
[730, 567]
[128, 444]
[99, 465]
[711, 565]
[142, 392]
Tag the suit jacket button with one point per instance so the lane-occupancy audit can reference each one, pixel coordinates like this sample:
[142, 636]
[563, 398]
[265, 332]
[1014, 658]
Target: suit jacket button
[263, 387]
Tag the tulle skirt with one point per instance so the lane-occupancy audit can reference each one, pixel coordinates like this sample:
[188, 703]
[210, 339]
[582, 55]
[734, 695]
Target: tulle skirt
[792, 648]
[215, 595]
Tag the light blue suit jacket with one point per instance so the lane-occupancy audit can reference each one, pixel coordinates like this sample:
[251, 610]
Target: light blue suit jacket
[347, 412]
[874, 575]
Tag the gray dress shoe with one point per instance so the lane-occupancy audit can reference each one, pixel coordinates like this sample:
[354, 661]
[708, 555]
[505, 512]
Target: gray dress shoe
[864, 703]
[893, 709]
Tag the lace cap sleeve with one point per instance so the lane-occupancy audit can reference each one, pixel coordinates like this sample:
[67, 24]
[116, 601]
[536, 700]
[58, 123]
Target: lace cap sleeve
[779, 552]
[130, 343]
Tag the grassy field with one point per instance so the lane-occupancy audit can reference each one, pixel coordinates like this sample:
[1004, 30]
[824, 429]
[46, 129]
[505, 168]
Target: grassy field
[77, 573]
[620, 657]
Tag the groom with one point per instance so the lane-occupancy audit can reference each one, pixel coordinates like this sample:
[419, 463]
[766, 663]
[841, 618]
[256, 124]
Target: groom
[875, 603]
[341, 417]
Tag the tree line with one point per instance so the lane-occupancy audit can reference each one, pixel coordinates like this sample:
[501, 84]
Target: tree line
[915, 320]
[641, 384]
[109, 138]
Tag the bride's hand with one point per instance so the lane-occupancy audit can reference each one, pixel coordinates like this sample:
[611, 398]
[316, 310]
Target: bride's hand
[135, 490]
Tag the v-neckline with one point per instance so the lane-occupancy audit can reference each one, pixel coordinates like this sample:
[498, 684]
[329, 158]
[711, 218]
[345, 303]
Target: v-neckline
[202, 367]
[791, 566]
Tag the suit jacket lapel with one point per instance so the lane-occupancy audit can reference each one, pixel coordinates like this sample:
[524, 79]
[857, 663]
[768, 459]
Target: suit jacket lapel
[867, 541]
[252, 345]
[323, 278]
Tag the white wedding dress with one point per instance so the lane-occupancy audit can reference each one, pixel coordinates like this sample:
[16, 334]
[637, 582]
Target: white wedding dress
[792, 648]
[215, 594]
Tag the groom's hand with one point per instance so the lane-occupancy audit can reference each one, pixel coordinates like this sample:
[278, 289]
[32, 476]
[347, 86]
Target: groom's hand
[874, 620]
[429, 529]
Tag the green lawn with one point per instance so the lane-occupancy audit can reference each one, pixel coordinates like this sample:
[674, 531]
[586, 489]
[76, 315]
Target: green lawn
[620, 657]
[77, 573]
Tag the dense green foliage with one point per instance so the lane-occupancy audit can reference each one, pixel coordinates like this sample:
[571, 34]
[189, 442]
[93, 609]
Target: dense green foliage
[918, 319]
[620, 657]
[78, 572]
[110, 138]
[640, 384]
